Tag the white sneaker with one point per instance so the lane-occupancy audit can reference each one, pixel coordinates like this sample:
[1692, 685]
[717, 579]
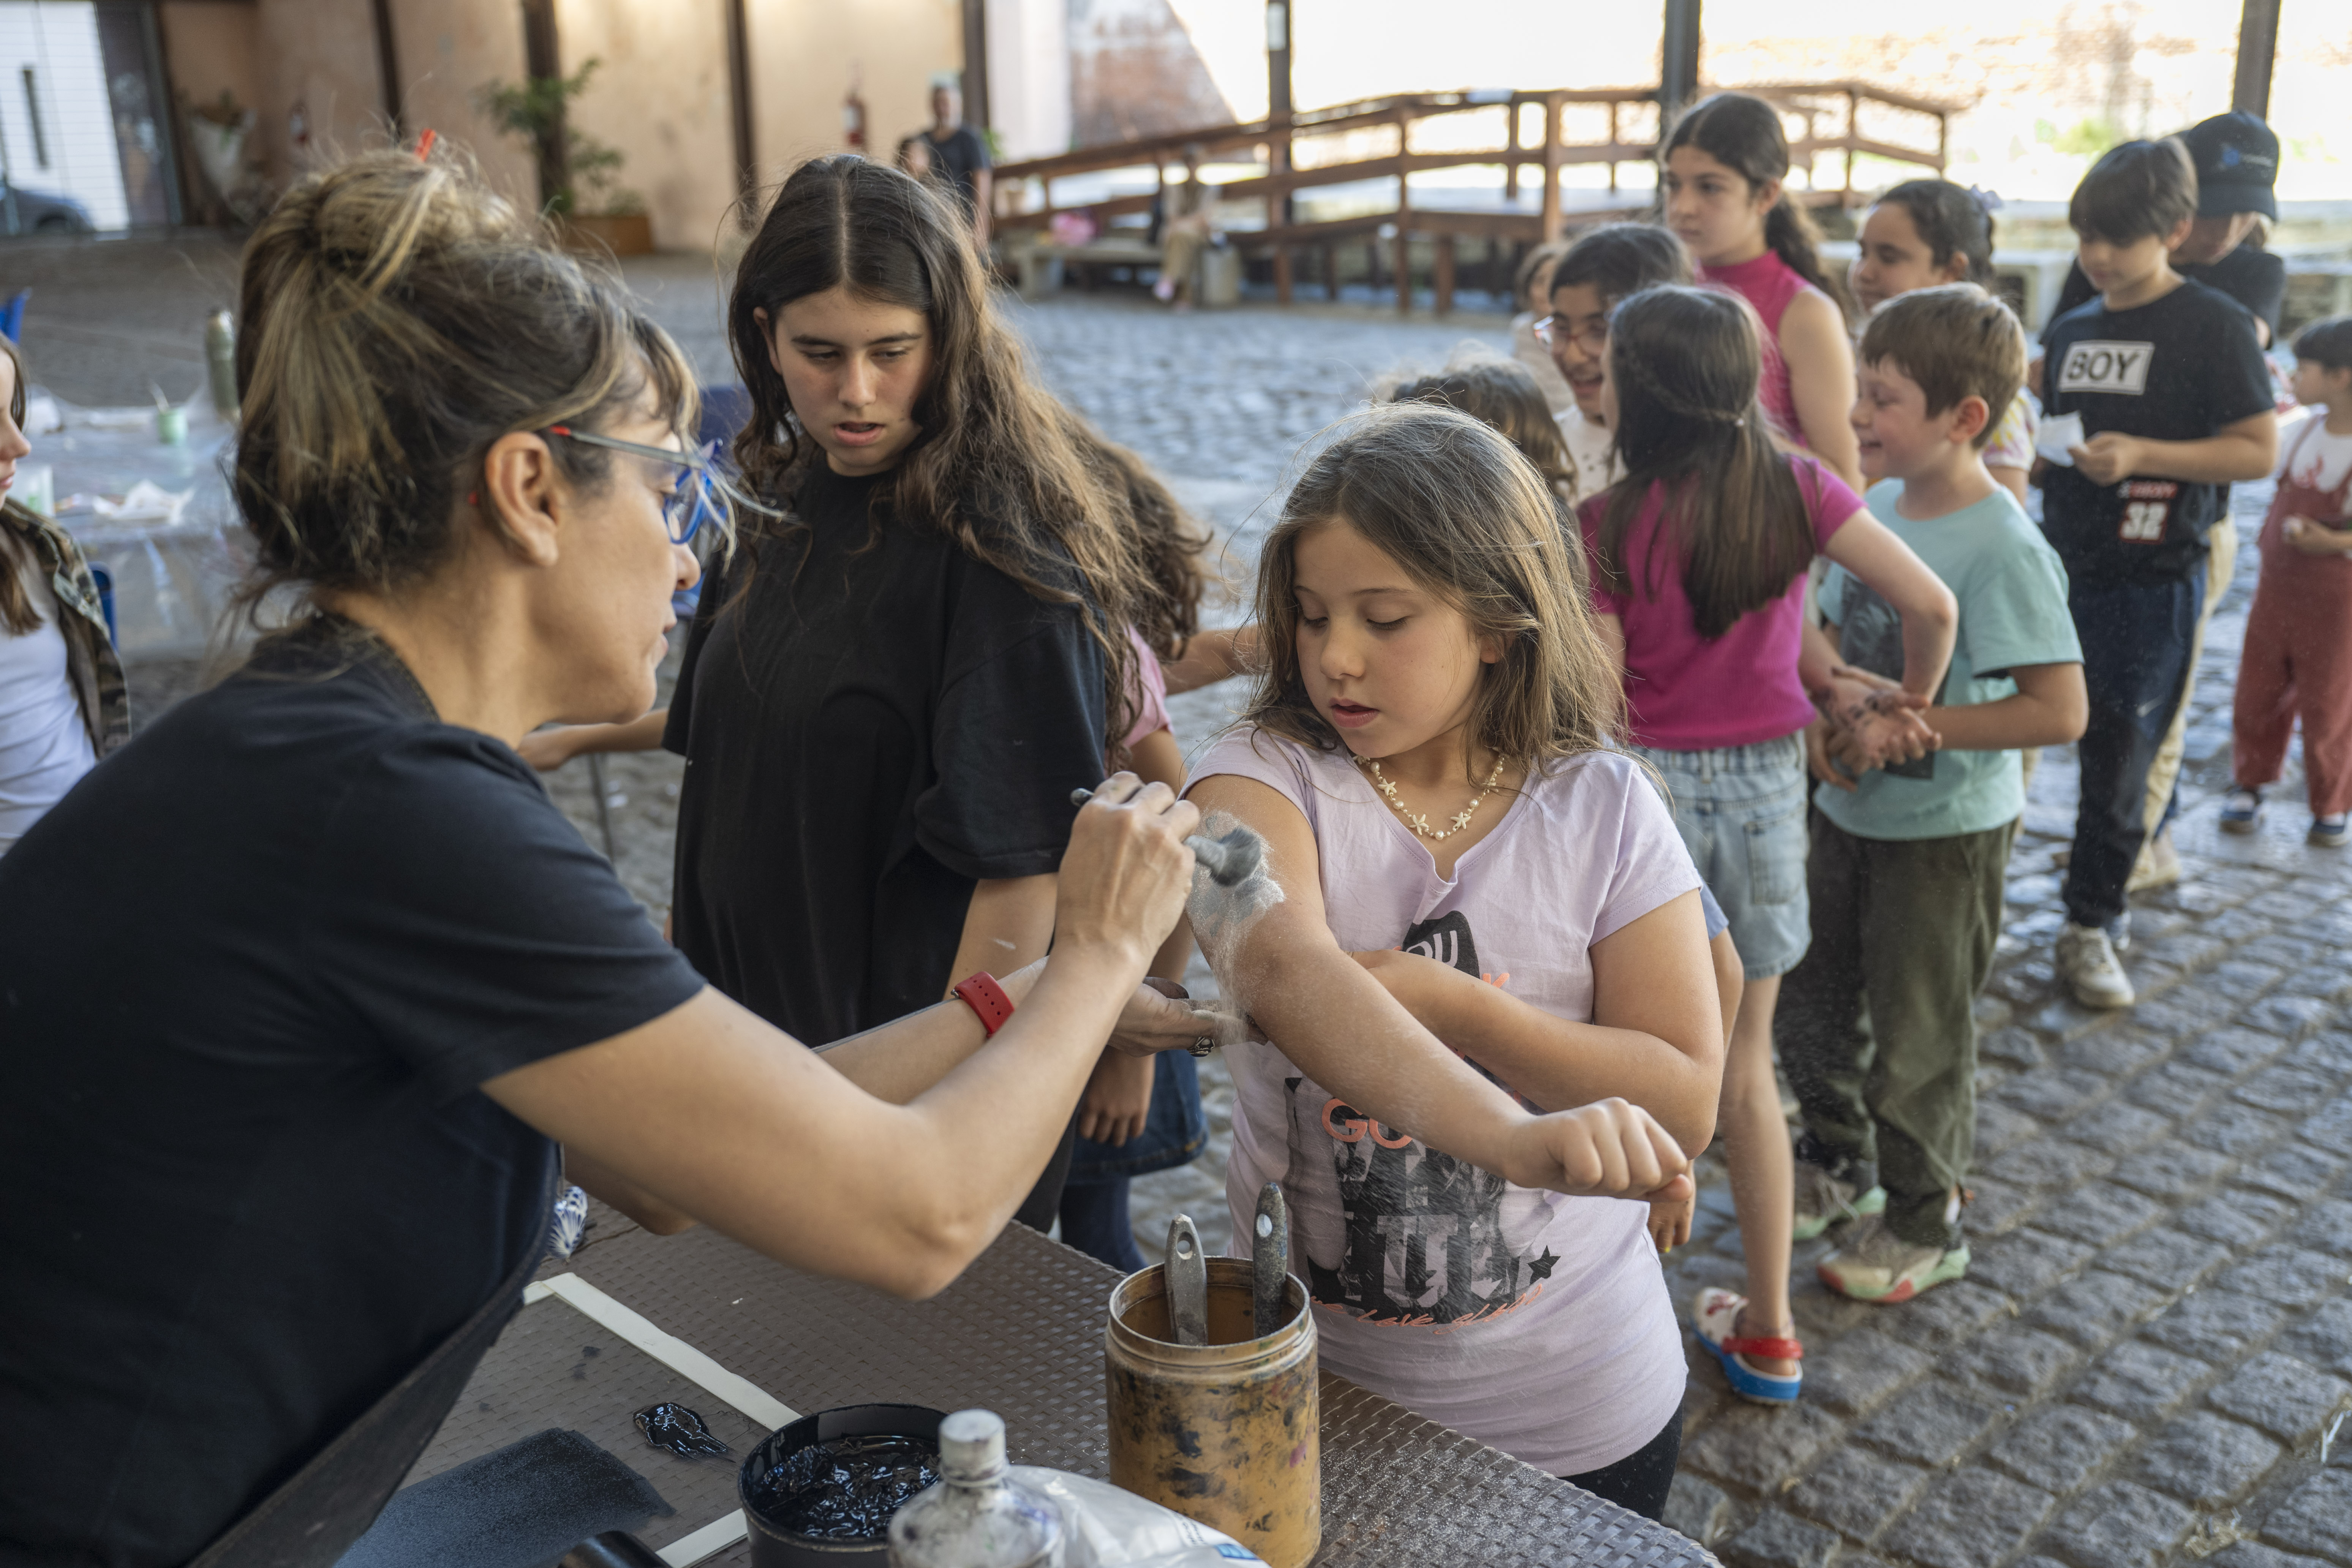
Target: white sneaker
[2086, 963]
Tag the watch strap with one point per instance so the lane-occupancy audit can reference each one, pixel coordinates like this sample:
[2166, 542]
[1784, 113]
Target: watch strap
[984, 996]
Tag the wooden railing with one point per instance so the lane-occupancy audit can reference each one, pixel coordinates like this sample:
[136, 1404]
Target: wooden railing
[1326, 147]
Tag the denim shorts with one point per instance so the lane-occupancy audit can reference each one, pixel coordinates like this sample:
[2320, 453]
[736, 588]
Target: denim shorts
[1741, 813]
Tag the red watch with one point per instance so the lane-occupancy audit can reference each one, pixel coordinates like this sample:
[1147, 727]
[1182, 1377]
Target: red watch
[984, 996]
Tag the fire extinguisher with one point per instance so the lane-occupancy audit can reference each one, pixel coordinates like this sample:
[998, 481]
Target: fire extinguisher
[853, 117]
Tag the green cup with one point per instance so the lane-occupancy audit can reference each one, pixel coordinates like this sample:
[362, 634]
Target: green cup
[172, 426]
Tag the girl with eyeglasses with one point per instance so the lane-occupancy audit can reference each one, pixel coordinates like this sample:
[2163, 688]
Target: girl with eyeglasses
[1610, 263]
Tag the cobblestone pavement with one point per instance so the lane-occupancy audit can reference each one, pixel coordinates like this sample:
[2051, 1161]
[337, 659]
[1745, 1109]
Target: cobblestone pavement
[2151, 1358]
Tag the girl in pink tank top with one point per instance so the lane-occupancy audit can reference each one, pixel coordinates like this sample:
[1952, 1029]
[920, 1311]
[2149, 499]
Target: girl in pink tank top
[1723, 194]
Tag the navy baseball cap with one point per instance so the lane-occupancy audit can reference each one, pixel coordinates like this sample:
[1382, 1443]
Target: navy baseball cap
[2237, 164]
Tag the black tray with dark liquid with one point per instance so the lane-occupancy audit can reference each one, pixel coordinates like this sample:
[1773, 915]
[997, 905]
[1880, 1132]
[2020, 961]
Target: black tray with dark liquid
[820, 1492]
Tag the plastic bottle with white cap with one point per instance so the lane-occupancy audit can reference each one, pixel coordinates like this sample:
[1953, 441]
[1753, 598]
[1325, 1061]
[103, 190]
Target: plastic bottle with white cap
[977, 1516]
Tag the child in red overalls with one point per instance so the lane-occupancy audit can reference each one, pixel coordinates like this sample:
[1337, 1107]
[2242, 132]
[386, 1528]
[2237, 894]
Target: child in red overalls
[2298, 651]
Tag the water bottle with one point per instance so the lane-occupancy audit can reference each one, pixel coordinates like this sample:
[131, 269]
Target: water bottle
[220, 363]
[976, 1516]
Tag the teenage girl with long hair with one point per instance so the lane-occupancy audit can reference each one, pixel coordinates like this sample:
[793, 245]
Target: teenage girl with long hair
[1700, 557]
[1923, 233]
[1723, 186]
[1464, 856]
[891, 692]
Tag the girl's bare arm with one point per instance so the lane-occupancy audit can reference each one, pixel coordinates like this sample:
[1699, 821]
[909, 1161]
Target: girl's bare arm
[548, 750]
[1656, 1036]
[1331, 1017]
[1821, 383]
[1211, 657]
[1931, 616]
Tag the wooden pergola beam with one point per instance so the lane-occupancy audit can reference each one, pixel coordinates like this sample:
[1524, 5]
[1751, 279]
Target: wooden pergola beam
[1678, 61]
[739, 90]
[2257, 27]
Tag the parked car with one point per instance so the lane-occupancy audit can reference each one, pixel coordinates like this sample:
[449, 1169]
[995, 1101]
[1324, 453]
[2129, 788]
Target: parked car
[43, 212]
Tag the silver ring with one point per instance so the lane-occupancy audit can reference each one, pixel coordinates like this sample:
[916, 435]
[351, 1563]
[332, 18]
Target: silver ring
[1204, 1046]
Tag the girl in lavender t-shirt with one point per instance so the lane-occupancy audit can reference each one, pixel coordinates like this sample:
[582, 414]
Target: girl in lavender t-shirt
[1463, 857]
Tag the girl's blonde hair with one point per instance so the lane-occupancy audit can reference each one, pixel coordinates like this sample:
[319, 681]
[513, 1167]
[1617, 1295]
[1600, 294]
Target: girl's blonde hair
[1501, 393]
[398, 318]
[1453, 503]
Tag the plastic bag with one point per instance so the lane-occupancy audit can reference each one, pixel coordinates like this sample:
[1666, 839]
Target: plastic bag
[1109, 1527]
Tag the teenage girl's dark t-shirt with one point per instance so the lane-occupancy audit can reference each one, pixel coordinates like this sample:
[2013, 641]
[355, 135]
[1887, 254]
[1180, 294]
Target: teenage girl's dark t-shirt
[253, 970]
[872, 723]
[2178, 368]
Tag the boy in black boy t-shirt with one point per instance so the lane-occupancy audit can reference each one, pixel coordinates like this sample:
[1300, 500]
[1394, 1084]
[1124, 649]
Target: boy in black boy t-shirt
[2175, 399]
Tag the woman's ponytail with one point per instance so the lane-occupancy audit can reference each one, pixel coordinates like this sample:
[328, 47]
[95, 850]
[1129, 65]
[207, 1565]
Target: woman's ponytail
[399, 317]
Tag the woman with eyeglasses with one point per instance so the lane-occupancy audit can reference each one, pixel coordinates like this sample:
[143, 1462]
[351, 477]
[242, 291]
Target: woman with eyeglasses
[300, 991]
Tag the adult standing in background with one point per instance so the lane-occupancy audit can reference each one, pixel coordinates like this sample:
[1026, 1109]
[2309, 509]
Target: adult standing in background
[959, 157]
[894, 685]
[2236, 157]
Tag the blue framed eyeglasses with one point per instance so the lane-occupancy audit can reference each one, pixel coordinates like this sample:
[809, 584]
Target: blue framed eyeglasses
[689, 497]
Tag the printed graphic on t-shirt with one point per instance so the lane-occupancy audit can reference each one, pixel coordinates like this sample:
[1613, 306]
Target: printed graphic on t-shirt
[2147, 509]
[1428, 1239]
[1871, 637]
[2095, 366]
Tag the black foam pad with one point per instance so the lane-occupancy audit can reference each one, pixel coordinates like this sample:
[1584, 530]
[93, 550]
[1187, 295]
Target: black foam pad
[523, 1506]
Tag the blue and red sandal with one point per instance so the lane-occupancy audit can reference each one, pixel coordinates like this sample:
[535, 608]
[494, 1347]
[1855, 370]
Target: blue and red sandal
[1714, 1318]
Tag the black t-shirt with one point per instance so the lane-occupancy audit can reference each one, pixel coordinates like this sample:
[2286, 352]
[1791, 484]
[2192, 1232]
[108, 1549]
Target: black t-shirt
[252, 969]
[2254, 278]
[876, 722]
[957, 160]
[2178, 368]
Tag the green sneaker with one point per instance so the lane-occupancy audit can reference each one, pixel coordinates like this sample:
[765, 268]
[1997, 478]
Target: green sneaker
[1874, 1264]
[1822, 1201]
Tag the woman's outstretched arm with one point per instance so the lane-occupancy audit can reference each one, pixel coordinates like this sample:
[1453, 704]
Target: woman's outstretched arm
[712, 1113]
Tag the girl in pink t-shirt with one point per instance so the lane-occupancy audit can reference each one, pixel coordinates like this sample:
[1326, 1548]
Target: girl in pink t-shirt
[1464, 855]
[1698, 561]
[1722, 190]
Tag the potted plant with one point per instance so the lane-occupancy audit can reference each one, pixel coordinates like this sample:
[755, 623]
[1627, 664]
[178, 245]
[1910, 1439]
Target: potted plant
[579, 183]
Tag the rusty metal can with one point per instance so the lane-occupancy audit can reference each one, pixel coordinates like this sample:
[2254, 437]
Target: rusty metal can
[1227, 1432]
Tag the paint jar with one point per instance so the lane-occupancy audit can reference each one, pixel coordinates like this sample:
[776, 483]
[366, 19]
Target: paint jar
[1225, 1433]
[776, 1543]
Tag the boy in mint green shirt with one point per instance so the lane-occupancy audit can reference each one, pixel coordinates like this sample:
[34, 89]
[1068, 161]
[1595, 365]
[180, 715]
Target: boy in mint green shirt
[1907, 861]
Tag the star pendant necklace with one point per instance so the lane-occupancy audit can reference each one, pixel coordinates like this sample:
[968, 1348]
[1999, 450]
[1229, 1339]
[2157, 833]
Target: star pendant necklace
[1419, 825]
